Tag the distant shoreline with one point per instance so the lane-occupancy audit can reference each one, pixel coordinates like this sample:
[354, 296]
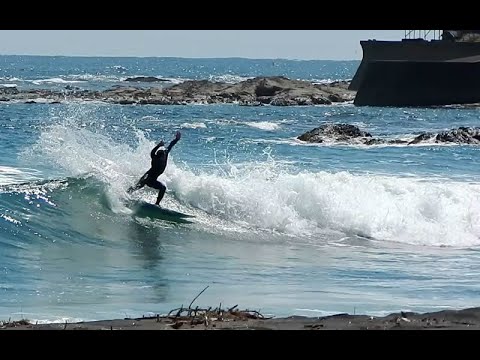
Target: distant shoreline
[243, 320]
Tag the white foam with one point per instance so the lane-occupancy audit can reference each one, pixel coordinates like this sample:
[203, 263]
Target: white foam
[229, 78]
[61, 320]
[94, 77]
[263, 125]
[195, 125]
[406, 210]
[326, 81]
[8, 78]
[175, 81]
[10, 219]
[54, 81]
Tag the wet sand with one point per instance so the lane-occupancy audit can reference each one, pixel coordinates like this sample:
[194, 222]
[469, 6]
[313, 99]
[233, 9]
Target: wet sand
[466, 319]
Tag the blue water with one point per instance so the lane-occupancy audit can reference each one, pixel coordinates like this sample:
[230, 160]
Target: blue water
[281, 227]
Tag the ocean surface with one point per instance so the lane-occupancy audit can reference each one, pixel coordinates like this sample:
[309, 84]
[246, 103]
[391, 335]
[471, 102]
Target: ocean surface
[281, 227]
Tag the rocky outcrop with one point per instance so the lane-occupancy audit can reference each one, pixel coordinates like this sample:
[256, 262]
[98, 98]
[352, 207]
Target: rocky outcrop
[145, 79]
[336, 133]
[462, 135]
[276, 91]
[351, 134]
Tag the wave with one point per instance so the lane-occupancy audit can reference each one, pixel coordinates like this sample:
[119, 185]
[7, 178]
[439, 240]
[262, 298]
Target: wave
[327, 81]
[263, 125]
[305, 204]
[195, 125]
[229, 78]
[270, 196]
[67, 79]
[95, 77]
[9, 78]
[54, 81]
[72, 209]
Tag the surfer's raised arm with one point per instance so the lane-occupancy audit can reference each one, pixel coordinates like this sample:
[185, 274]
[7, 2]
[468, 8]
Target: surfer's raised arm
[154, 150]
[178, 135]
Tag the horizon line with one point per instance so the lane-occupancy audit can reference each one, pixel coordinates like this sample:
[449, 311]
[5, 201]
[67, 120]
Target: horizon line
[176, 57]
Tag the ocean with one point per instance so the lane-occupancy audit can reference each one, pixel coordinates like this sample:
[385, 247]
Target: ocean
[281, 226]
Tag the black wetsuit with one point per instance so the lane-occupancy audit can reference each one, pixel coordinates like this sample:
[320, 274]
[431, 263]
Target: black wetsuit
[158, 165]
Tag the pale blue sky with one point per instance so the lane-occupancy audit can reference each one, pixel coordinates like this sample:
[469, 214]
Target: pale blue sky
[256, 44]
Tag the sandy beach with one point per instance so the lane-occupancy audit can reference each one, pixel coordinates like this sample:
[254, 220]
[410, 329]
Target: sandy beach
[466, 319]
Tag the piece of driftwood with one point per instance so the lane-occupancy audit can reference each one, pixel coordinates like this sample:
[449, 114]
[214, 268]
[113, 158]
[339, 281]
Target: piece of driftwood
[206, 316]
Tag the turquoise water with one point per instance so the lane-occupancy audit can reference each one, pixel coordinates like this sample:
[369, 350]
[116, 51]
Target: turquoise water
[280, 226]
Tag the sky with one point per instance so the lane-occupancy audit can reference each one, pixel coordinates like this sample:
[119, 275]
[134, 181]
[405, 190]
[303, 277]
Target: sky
[253, 44]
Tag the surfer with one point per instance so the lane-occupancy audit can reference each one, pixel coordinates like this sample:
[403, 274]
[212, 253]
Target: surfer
[159, 157]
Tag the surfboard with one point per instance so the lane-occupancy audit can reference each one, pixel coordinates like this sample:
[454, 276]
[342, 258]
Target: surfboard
[144, 209]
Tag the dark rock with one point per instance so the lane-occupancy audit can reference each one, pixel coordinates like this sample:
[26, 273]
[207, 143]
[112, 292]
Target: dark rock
[352, 134]
[8, 91]
[337, 132]
[462, 135]
[420, 138]
[374, 141]
[263, 89]
[320, 100]
[145, 79]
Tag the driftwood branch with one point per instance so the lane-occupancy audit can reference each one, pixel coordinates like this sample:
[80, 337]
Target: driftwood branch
[207, 316]
[196, 297]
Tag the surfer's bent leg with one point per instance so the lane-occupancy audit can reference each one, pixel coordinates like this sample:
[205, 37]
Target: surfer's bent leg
[161, 193]
[160, 187]
[139, 185]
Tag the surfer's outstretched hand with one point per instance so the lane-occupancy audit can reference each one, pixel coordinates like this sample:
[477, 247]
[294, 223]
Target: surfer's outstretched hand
[178, 135]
